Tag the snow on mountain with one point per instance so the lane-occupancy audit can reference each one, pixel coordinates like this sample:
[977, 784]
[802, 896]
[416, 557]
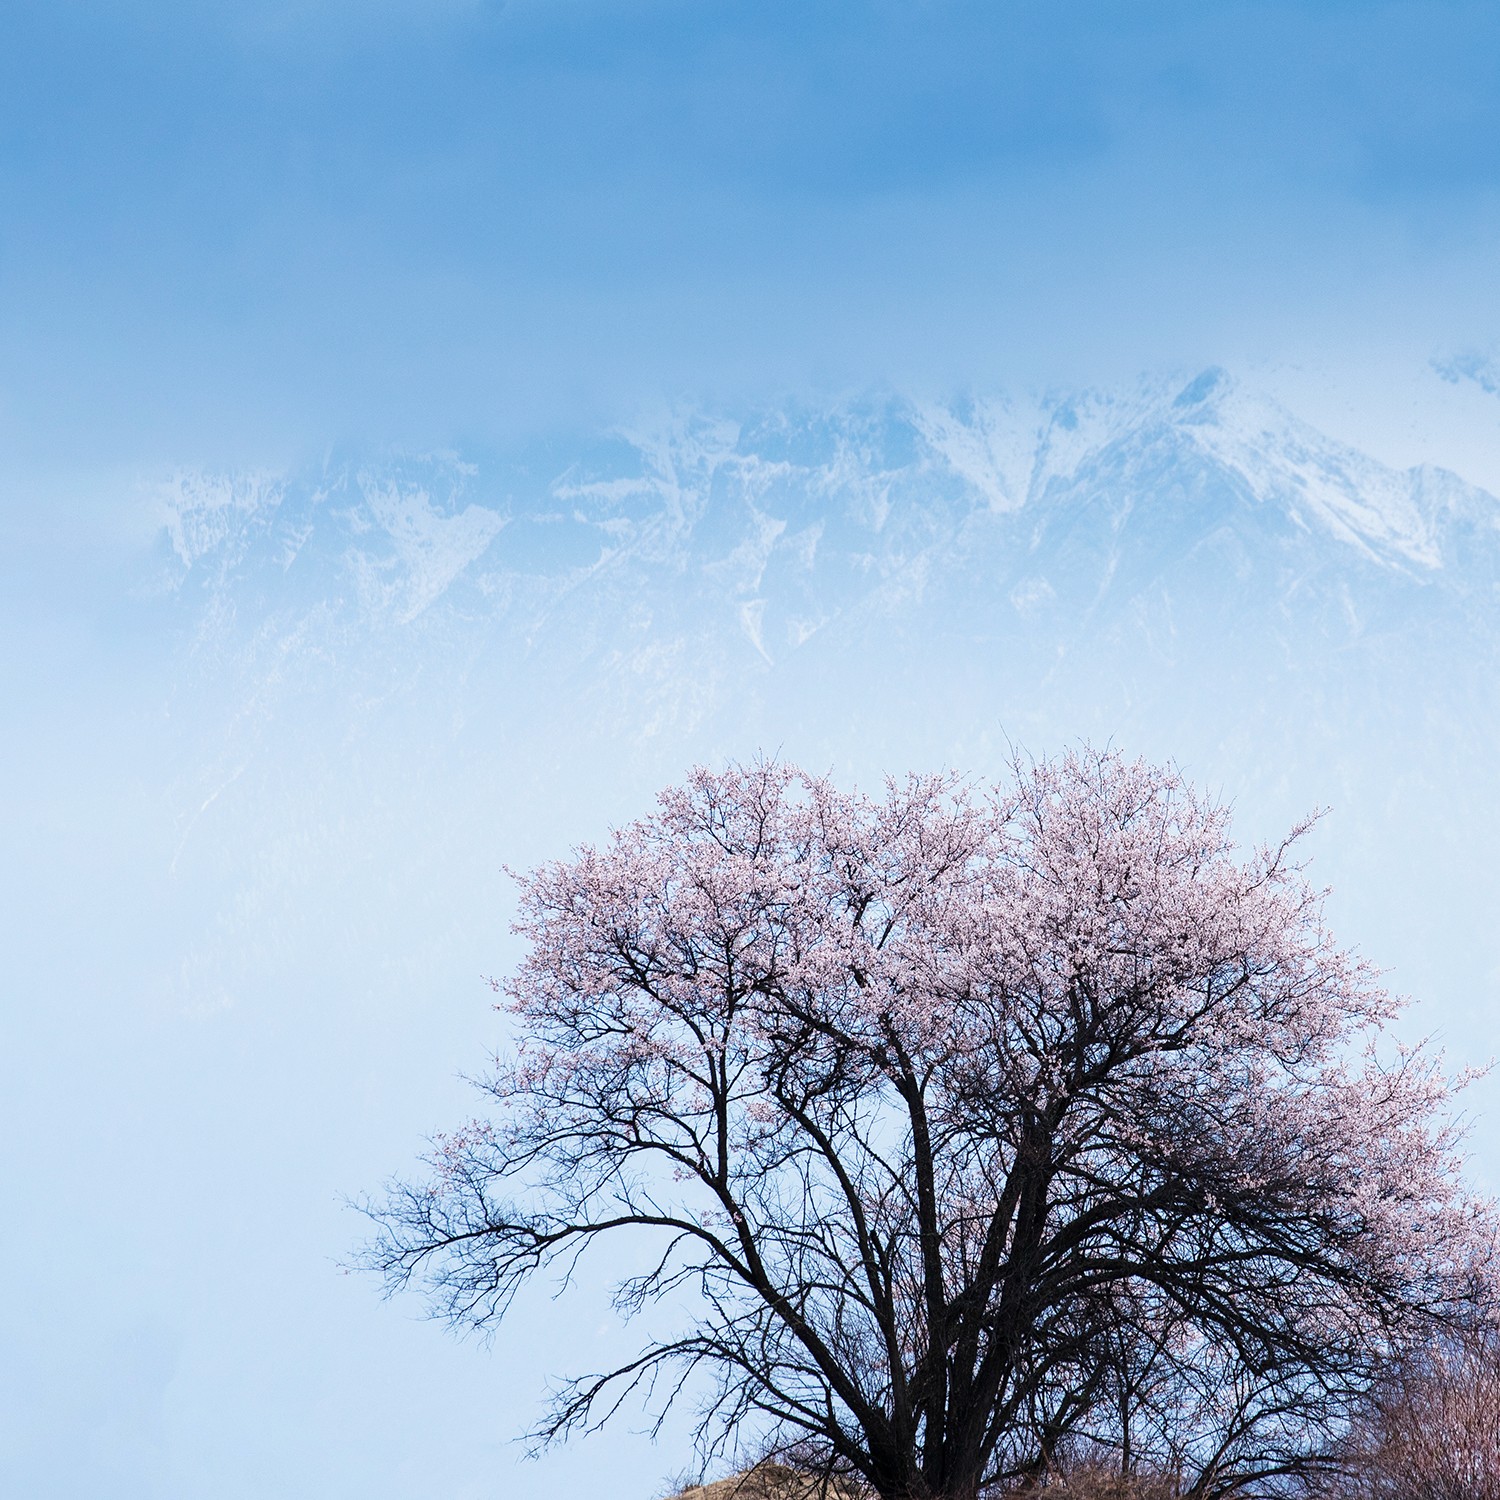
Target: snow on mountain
[665, 563]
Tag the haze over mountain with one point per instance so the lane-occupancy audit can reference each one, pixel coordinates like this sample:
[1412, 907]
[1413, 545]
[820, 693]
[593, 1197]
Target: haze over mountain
[1185, 567]
[764, 535]
[997, 564]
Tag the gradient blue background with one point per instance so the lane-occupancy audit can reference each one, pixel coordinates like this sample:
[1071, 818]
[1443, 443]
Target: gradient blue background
[254, 228]
[322, 280]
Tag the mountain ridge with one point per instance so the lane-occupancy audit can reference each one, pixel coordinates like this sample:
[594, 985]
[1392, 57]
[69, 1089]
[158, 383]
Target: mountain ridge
[662, 569]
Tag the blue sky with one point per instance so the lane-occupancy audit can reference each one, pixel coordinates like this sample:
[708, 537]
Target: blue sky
[258, 228]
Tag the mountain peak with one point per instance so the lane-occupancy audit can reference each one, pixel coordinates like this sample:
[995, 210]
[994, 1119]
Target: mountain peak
[1213, 381]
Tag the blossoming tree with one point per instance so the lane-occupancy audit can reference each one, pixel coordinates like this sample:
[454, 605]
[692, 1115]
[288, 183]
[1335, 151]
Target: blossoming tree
[982, 1127]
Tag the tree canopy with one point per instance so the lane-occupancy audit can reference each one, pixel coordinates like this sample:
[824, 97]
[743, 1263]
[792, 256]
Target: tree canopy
[980, 1125]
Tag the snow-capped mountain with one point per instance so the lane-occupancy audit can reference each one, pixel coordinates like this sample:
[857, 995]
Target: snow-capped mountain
[705, 547]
